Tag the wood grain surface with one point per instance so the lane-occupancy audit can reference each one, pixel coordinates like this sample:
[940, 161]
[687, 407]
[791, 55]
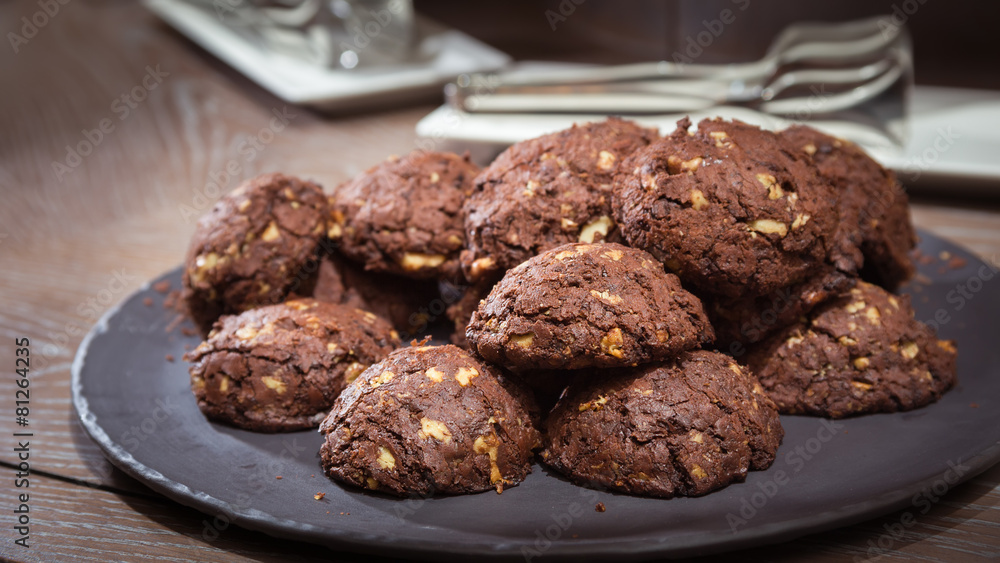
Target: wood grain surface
[73, 242]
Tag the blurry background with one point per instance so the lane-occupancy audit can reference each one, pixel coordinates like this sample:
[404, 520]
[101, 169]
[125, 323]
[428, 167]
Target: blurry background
[955, 41]
[161, 129]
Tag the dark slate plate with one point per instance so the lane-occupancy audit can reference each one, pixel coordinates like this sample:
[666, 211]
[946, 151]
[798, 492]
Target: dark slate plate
[138, 408]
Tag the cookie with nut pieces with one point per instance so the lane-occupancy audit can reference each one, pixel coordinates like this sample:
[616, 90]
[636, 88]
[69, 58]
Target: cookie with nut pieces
[587, 305]
[740, 322]
[729, 208]
[279, 368]
[874, 208]
[253, 247]
[403, 216]
[429, 420]
[545, 192]
[684, 427]
[860, 353]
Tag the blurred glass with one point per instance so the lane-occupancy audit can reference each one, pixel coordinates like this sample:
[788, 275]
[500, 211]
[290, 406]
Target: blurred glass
[345, 34]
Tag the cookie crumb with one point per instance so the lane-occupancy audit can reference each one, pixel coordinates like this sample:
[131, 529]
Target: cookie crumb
[174, 323]
[319, 496]
[278, 477]
[974, 405]
[147, 301]
[162, 286]
[170, 357]
[423, 342]
[599, 507]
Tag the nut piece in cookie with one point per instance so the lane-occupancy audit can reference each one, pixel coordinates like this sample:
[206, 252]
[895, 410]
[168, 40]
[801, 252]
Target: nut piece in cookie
[587, 305]
[252, 247]
[682, 428]
[728, 208]
[545, 192]
[404, 215]
[279, 368]
[404, 302]
[862, 352]
[429, 420]
[875, 213]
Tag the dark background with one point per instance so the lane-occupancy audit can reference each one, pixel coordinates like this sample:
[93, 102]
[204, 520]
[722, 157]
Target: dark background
[955, 42]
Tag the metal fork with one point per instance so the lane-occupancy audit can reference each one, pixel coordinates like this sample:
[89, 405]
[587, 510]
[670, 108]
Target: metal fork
[852, 63]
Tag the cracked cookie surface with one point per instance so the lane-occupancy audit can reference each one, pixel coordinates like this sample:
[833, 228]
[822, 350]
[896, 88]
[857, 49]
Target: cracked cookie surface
[729, 208]
[280, 368]
[545, 192]
[875, 212]
[860, 353]
[685, 427]
[251, 249]
[429, 420]
[587, 305]
[403, 216]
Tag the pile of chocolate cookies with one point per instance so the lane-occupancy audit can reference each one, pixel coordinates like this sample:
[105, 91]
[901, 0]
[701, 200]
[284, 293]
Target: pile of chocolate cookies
[636, 309]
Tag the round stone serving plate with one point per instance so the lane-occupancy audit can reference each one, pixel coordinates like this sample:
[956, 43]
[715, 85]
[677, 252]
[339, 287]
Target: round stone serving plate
[138, 407]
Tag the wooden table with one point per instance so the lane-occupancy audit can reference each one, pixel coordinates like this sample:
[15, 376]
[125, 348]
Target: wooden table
[66, 235]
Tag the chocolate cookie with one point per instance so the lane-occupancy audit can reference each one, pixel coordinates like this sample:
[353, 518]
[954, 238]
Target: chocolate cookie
[429, 420]
[875, 213]
[681, 428]
[545, 192]
[587, 305]
[280, 367]
[741, 322]
[860, 353]
[729, 208]
[252, 247]
[403, 301]
[404, 215]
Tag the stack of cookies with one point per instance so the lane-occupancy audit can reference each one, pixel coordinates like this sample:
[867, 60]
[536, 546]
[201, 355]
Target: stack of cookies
[637, 308]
